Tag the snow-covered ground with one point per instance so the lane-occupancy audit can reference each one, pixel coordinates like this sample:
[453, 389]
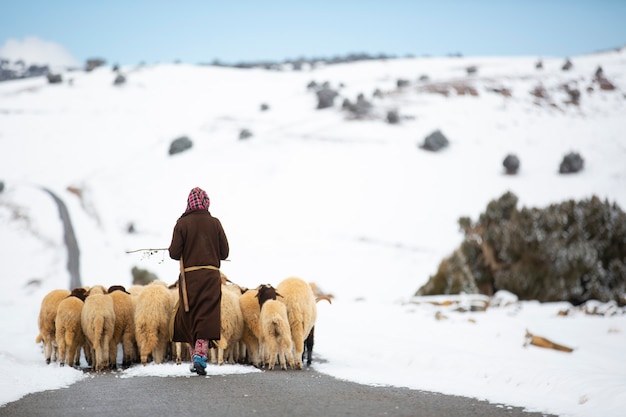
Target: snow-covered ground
[354, 206]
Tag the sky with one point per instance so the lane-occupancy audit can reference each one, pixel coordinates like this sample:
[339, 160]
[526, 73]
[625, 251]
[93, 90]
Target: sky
[124, 32]
[354, 206]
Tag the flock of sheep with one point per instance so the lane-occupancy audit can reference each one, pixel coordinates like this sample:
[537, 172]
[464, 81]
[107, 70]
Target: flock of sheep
[258, 326]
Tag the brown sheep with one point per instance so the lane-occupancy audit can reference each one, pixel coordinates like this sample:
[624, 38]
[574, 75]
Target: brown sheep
[98, 324]
[47, 328]
[275, 336]
[302, 311]
[69, 333]
[152, 318]
[124, 332]
[251, 311]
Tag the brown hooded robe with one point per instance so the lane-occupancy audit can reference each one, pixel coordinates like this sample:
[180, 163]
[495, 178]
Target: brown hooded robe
[200, 239]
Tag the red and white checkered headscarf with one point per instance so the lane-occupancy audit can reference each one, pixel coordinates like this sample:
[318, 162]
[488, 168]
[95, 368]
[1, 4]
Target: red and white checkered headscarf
[197, 200]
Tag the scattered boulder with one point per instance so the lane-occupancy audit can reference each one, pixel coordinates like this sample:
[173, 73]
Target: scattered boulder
[567, 65]
[471, 70]
[245, 134]
[120, 79]
[180, 144]
[402, 83]
[55, 78]
[1, 186]
[264, 107]
[94, 63]
[571, 163]
[377, 93]
[539, 65]
[435, 141]
[393, 117]
[511, 164]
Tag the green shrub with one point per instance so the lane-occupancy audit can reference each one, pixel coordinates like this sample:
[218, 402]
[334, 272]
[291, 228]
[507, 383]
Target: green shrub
[142, 276]
[571, 251]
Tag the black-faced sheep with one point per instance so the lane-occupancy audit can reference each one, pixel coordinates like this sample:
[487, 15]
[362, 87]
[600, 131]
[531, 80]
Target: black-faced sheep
[98, 324]
[47, 328]
[152, 318]
[124, 332]
[69, 333]
[301, 310]
[275, 337]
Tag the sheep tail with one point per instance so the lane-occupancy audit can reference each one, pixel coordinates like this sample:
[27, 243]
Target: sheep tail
[39, 338]
[98, 327]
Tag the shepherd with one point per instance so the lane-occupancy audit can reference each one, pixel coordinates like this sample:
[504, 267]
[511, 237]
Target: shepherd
[200, 244]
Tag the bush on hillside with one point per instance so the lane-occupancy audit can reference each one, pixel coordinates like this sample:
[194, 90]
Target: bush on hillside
[360, 108]
[571, 251]
[326, 98]
[142, 276]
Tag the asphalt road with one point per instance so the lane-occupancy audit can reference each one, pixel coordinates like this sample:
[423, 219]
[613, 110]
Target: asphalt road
[275, 393]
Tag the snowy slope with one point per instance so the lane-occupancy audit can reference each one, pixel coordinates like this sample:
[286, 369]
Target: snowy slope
[352, 205]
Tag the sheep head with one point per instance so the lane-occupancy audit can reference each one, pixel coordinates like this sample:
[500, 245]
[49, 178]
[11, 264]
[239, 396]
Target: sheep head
[117, 288]
[266, 292]
[80, 293]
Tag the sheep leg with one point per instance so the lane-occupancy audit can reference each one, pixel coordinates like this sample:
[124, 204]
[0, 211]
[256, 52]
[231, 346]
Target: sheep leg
[113, 354]
[272, 351]
[106, 343]
[128, 348]
[47, 348]
[178, 347]
[298, 343]
[309, 346]
[62, 346]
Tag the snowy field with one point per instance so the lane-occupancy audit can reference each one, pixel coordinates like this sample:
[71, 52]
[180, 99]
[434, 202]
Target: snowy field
[354, 206]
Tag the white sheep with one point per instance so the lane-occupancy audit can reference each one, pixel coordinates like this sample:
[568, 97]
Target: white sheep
[275, 337]
[69, 333]
[231, 326]
[124, 332]
[152, 318]
[47, 328]
[98, 324]
[301, 310]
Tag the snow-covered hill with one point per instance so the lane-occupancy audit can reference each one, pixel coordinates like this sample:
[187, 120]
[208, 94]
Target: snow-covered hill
[353, 205]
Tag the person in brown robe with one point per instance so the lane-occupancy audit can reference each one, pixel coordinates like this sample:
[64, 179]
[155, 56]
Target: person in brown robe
[199, 243]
